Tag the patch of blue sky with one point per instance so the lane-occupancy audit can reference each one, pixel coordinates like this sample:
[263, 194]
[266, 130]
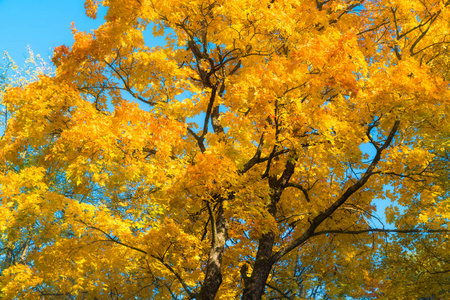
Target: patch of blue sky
[43, 25]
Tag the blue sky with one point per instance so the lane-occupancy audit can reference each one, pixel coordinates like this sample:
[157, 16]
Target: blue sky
[42, 24]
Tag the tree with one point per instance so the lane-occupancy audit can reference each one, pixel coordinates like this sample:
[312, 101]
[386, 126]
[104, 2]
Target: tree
[15, 247]
[244, 159]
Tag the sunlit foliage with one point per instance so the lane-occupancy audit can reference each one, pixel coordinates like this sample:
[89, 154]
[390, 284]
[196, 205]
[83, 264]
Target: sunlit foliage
[242, 159]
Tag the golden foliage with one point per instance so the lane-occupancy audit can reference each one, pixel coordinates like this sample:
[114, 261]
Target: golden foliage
[244, 158]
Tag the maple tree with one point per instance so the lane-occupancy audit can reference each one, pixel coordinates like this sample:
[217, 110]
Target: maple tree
[243, 159]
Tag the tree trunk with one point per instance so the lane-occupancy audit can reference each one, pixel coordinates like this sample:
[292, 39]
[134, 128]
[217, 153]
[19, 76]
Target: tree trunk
[213, 277]
[255, 285]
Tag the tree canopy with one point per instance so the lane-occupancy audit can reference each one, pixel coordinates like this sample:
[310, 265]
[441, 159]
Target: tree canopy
[243, 159]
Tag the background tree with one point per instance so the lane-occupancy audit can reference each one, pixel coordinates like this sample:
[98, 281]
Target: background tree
[15, 244]
[242, 159]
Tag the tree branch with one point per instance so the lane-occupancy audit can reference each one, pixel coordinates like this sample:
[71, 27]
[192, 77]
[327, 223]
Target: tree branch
[111, 238]
[209, 111]
[169, 267]
[199, 140]
[279, 291]
[381, 230]
[255, 159]
[213, 223]
[340, 201]
[127, 87]
[298, 186]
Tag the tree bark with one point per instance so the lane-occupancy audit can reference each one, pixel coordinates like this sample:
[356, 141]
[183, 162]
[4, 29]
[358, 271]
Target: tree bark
[255, 285]
[213, 277]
